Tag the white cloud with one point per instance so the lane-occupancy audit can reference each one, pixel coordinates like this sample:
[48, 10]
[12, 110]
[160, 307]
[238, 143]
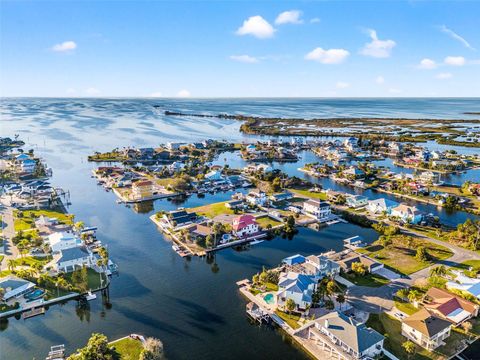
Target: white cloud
[342, 85]
[444, 76]
[244, 58]
[183, 93]
[331, 56]
[256, 26]
[155, 94]
[377, 48]
[455, 60]
[314, 20]
[65, 46]
[427, 64]
[289, 17]
[394, 91]
[379, 79]
[92, 91]
[457, 37]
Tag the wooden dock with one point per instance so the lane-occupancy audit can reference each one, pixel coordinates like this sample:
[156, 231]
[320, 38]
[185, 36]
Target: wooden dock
[33, 312]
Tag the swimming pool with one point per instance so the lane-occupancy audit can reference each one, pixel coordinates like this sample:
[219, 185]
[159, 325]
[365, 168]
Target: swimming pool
[269, 299]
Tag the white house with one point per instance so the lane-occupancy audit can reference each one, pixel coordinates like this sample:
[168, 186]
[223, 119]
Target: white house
[465, 283]
[426, 329]
[244, 225]
[319, 210]
[256, 197]
[382, 205]
[175, 166]
[342, 337]
[14, 287]
[62, 240]
[213, 175]
[68, 260]
[408, 214]
[357, 201]
[28, 166]
[298, 287]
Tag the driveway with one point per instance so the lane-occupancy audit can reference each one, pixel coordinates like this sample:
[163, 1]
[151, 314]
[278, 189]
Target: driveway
[10, 250]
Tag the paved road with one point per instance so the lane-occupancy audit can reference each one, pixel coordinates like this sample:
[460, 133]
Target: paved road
[377, 300]
[10, 250]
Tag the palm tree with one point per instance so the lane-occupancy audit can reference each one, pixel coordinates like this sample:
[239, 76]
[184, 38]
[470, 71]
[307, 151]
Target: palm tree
[403, 293]
[12, 264]
[438, 271]
[341, 299]
[413, 295]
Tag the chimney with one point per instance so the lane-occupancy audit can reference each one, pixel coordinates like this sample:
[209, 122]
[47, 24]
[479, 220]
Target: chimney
[326, 324]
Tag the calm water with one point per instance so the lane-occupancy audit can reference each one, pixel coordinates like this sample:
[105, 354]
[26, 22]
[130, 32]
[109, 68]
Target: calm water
[193, 306]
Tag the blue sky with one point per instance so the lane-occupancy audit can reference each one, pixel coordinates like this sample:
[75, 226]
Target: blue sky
[239, 48]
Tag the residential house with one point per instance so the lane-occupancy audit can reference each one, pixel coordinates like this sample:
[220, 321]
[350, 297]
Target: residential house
[357, 201]
[298, 287]
[319, 266]
[380, 206]
[14, 287]
[351, 143]
[200, 231]
[429, 177]
[283, 196]
[62, 240]
[244, 225]
[426, 329]
[251, 148]
[394, 148]
[179, 218]
[354, 173]
[319, 210]
[449, 306]
[174, 146]
[142, 189]
[465, 284]
[342, 337]
[213, 175]
[70, 259]
[234, 204]
[175, 166]
[28, 166]
[406, 213]
[347, 258]
[256, 197]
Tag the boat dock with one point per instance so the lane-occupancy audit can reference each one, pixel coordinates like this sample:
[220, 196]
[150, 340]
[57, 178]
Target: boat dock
[33, 312]
[57, 352]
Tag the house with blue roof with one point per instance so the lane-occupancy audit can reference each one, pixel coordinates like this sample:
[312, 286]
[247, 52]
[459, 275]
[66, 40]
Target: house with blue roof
[380, 206]
[298, 287]
[68, 260]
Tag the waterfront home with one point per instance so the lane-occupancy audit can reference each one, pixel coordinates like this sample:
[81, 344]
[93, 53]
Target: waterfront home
[465, 284]
[356, 201]
[422, 154]
[354, 173]
[256, 197]
[179, 218]
[297, 141]
[200, 231]
[283, 196]
[394, 148]
[142, 189]
[62, 240]
[426, 329]
[351, 143]
[436, 155]
[342, 337]
[244, 225]
[175, 166]
[298, 287]
[347, 258]
[319, 210]
[174, 145]
[407, 213]
[235, 204]
[213, 175]
[319, 266]
[429, 177]
[380, 206]
[70, 259]
[45, 221]
[251, 148]
[449, 306]
[14, 287]
[27, 166]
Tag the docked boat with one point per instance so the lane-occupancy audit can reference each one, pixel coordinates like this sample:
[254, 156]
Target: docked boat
[90, 296]
[175, 248]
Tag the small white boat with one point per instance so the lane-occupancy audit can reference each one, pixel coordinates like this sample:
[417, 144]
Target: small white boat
[175, 248]
[90, 296]
[255, 242]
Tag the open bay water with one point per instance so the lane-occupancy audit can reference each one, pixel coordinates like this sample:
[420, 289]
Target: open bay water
[193, 306]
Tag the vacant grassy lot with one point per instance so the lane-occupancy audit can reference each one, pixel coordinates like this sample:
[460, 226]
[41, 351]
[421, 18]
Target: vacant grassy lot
[405, 306]
[25, 220]
[290, 319]
[263, 221]
[127, 348]
[371, 280]
[400, 255]
[309, 194]
[212, 210]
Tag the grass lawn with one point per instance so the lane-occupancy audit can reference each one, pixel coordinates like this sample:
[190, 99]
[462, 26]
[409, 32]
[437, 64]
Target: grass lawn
[127, 348]
[164, 181]
[32, 260]
[290, 319]
[27, 221]
[405, 306]
[271, 287]
[1, 258]
[93, 279]
[309, 194]
[402, 259]
[371, 280]
[263, 221]
[212, 210]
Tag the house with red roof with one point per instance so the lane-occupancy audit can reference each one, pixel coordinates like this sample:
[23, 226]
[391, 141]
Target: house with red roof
[244, 225]
[449, 306]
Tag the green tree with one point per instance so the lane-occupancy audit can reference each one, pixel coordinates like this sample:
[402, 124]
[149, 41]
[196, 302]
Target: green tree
[97, 348]
[438, 271]
[359, 269]
[403, 293]
[422, 254]
[290, 305]
[341, 300]
[152, 349]
[409, 348]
